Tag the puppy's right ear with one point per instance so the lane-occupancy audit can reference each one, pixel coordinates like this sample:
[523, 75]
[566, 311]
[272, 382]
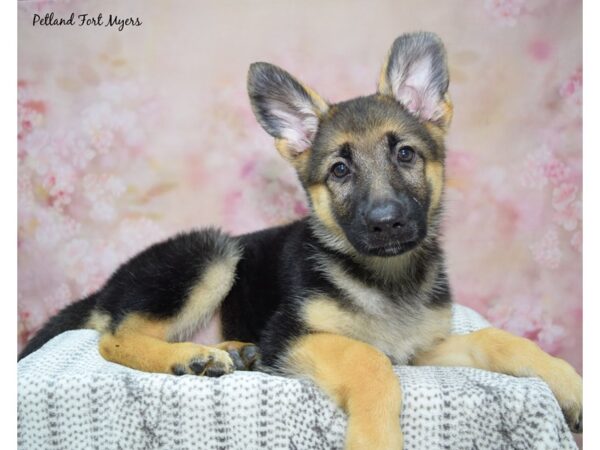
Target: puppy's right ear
[286, 109]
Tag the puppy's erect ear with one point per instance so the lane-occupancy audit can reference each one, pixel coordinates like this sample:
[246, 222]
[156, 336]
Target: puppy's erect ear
[286, 109]
[416, 74]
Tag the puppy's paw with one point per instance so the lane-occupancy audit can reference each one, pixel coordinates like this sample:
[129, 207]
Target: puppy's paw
[192, 359]
[567, 386]
[245, 356]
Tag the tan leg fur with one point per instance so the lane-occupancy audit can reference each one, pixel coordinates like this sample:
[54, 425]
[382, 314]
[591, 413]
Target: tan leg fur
[499, 351]
[361, 380]
[141, 344]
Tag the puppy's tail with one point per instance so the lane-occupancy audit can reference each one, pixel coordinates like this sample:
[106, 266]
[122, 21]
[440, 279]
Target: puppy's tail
[72, 317]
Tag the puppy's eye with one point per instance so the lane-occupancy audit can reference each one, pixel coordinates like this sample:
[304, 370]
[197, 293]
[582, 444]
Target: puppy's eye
[340, 170]
[406, 154]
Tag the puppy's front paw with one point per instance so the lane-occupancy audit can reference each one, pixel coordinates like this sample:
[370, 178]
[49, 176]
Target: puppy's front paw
[195, 359]
[245, 356]
[567, 386]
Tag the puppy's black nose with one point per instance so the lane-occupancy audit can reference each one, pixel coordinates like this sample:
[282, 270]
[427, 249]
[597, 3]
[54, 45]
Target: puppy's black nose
[386, 218]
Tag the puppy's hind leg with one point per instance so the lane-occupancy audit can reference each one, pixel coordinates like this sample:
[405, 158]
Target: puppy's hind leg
[141, 344]
[360, 380]
[162, 297]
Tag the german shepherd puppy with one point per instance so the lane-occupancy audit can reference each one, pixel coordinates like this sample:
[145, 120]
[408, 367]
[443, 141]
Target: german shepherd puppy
[340, 295]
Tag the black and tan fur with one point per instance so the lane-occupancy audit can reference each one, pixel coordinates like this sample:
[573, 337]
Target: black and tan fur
[340, 295]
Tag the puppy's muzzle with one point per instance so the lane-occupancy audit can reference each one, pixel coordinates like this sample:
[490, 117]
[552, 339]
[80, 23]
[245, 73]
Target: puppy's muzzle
[386, 219]
[391, 225]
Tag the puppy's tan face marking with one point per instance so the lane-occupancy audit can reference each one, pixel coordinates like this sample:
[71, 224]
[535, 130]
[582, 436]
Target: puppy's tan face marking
[434, 174]
[320, 197]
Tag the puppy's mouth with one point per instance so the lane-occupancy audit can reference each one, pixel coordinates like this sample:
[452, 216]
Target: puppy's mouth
[387, 246]
[391, 249]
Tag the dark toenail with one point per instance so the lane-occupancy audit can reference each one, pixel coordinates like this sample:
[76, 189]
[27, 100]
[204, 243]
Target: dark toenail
[197, 366]
[254, 365]
[237, 360]
[178, 369]
[249, 352]
[215, 370]
[579, 424]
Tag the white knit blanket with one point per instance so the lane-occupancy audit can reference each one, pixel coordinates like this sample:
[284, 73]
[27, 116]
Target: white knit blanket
[70, 398]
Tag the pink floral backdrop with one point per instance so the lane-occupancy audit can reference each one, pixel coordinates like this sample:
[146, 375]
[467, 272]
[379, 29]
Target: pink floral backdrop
[126, 137]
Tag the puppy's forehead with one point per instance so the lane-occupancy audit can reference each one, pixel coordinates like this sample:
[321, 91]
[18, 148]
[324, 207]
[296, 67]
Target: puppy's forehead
[367, 120]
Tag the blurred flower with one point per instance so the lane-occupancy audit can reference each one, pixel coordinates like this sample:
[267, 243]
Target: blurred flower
[30, 110]
[526, 317]
[505, 12]
[569, 216]
[563, 195]
[542, 167]
[571, 90]
[577, 240]
[546, 250]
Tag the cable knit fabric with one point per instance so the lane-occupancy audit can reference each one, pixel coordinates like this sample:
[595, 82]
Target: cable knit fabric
[70, 398]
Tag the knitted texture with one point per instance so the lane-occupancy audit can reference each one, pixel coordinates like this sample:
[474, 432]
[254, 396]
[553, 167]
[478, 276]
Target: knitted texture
[70, 398]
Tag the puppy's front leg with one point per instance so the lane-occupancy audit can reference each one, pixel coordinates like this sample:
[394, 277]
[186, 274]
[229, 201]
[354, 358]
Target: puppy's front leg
[360, 379]
[499, 351]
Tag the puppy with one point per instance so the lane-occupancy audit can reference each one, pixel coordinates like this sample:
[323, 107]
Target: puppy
[340, 295]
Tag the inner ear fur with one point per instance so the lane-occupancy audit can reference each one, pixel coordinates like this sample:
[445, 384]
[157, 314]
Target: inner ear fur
[416, 75]
[286, 109]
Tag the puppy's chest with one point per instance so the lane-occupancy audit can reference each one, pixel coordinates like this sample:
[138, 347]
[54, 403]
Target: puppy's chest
[399, 329]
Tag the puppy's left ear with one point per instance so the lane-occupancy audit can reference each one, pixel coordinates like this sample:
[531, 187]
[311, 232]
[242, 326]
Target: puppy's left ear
[416, 75]
[286, 109]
